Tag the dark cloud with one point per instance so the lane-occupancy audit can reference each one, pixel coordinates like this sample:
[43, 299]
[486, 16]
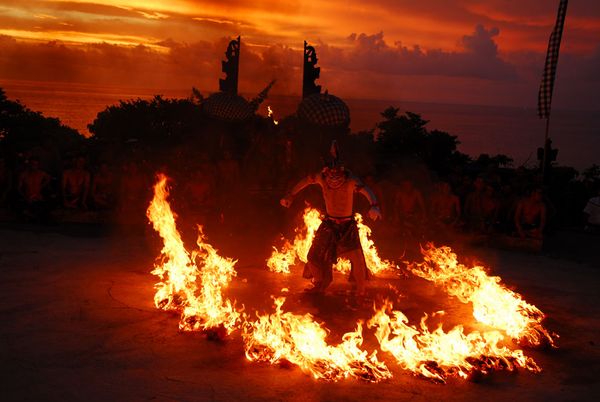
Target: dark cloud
[185, 64]
[479, 58]
[366, 66]
[179, 65]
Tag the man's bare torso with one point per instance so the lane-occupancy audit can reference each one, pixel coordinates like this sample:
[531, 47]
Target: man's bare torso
[407, 203]
[34, 182]
[531, 212]
[338, 201]
[75, 181]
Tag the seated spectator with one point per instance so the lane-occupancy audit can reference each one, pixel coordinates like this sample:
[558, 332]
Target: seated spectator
[76, 185]
[5, 183]
[490, 206]
[530, 216]
[132, 194]
[445, 206]
[103, 188]
[409, 207]
[474, 206]
[507, 205]
[592, 210]
[32, 184]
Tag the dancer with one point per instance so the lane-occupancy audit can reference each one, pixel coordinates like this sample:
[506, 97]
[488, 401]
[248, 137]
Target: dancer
[337, 236]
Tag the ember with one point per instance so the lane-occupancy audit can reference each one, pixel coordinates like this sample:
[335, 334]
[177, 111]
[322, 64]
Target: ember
[270, 114]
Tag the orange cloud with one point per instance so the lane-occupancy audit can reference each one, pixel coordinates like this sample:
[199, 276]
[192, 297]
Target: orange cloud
[179, 43]
[433, 24]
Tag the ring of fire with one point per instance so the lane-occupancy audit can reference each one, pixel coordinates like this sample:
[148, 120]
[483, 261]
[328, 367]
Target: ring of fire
[286, 338]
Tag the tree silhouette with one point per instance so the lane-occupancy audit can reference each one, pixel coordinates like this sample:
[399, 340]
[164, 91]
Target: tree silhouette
[150, 126]
[21, 129]
[403, 136]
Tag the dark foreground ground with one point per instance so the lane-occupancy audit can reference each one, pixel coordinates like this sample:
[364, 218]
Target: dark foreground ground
[78, 323]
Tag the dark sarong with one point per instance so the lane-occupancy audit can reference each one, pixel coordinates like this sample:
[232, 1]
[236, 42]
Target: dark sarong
[332, 239]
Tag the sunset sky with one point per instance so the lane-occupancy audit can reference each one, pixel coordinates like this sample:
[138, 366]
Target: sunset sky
[462, 51]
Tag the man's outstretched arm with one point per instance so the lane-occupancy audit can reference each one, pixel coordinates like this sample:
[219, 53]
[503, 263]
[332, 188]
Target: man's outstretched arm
[301, 185]
[374, 211]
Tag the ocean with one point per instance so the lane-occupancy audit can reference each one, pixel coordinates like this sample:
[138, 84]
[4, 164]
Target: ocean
[513, 131]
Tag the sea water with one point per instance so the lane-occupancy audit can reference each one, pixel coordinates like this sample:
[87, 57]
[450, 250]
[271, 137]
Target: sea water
[513, 131]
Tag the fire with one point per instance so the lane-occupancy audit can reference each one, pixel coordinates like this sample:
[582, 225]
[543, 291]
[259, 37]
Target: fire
[192, 283]
[284, 337]
[375, 264]
[343, 265]
[281, 260]
[201, 308]
[437, 355]
[493, 303]
[270, 114]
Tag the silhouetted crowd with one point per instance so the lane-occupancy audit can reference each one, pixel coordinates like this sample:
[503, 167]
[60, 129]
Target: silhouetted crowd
[42, 186]
[48, 189]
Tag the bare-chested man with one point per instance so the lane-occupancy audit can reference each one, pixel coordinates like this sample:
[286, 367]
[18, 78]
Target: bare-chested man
[445, 206]
[530, 216]
[32, 183]
[337, 235]
[103, 188]
[409, 206]
[76, 185]
[5, 182]
[133, 187]
[592, 211]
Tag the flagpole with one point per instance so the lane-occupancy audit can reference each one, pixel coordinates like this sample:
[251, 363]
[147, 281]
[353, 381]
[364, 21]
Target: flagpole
[547, 84]
[546, 150]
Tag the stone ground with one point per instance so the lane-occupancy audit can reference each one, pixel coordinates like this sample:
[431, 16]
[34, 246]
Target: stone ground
[78, 323]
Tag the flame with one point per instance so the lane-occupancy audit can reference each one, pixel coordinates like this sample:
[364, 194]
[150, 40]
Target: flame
[284, 337]
[343, 265]
[493, 303]
[192, 284]
[437, 355]
[281, 260]
[270, 114]
[201, 308]
[375, 264]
